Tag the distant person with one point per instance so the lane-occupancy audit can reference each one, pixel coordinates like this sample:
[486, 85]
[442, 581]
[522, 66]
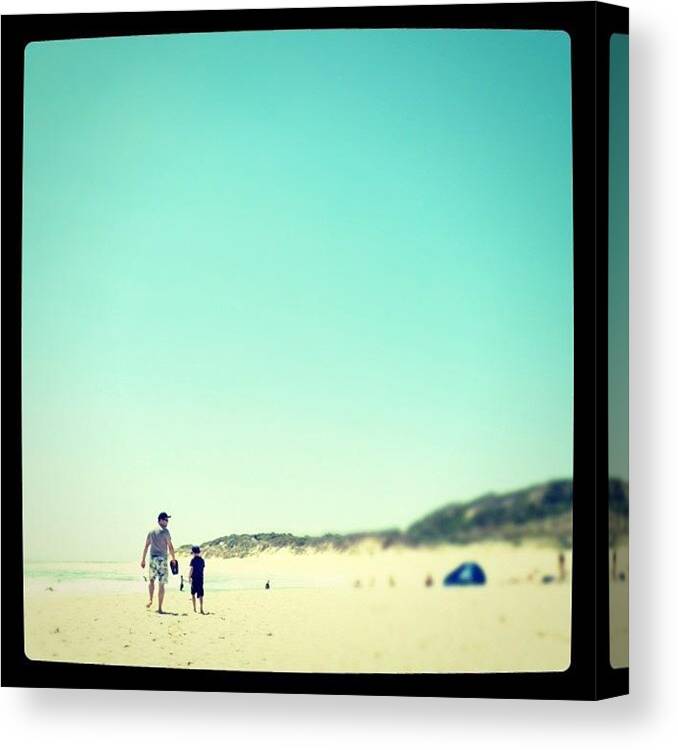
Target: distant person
[428, 582]
[562, 572]
[160, 543]
[614, 564]
[268, 585]
[196, 576]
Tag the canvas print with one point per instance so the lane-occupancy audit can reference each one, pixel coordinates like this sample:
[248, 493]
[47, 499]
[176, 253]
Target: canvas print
[618, 350]
[297, 366]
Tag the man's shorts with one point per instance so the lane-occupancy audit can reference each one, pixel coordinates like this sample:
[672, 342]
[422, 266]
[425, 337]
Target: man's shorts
[158, 569]
[197, 589]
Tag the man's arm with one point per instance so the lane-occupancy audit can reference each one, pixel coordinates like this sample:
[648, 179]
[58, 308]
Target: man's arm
[143, 554]
[171, 548]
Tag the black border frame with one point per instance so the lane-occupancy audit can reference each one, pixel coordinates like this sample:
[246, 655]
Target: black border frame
[589, 26]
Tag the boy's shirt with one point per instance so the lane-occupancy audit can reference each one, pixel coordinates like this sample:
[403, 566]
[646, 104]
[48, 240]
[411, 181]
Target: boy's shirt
[198, 565]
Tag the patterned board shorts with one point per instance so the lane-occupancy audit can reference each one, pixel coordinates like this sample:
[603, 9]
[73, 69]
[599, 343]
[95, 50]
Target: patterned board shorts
[158, 569]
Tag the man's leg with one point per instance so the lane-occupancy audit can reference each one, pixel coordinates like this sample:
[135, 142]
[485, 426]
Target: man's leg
[161, 595]
[151, 589]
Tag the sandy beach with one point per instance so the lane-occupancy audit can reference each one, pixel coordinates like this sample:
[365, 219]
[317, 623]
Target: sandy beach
[619, 611]
[365, 610]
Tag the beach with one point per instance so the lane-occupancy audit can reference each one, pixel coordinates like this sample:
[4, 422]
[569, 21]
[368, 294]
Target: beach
[361, 610]
[619, 610]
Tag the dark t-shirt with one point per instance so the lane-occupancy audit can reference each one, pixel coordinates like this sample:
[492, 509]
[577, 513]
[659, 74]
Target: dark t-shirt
[198, 565]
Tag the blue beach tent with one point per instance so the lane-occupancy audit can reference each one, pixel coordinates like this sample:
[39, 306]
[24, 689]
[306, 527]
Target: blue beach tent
[467, 574]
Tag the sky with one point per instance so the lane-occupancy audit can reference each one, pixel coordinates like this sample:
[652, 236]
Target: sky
[307, 282]
[618, 300]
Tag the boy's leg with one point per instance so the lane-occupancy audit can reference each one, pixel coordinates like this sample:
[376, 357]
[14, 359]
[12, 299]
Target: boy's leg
[202, 612]
[193, 600]
[151, 589]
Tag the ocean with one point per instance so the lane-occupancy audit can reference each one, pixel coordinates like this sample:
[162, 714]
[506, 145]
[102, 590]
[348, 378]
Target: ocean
[126, 577]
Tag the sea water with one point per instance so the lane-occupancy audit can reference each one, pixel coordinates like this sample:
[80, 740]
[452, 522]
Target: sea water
[125, 577]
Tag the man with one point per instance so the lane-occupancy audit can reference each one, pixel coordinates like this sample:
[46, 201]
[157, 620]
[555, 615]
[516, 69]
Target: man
[160, 542]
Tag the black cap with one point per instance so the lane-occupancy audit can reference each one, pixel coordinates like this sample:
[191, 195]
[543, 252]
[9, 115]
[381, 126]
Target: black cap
[163, 515]
[195, 550]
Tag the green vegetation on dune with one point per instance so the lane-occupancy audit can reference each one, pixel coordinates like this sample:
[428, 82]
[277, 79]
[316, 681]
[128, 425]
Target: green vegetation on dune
[618, 511]
[542, 511]
[243, 545]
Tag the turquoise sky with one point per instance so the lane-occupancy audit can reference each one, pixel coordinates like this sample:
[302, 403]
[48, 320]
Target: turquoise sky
[291, 281]
[618, 301]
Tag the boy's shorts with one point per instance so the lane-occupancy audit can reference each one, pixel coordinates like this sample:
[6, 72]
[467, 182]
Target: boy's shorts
[158, 569]
[197, 589]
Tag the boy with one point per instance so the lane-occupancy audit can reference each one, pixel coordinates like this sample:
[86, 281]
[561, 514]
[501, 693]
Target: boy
[196, 577]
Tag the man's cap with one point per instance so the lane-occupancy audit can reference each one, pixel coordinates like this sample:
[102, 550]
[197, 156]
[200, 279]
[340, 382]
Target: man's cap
[163, 515]
[195, 550]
